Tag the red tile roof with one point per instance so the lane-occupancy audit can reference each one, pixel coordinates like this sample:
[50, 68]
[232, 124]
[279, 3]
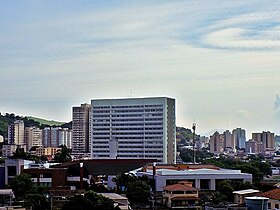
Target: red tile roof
[272, 194]
[179, 187]
[178, 198]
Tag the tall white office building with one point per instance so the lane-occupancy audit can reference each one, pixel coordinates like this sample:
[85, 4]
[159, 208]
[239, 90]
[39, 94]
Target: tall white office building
[134, 128]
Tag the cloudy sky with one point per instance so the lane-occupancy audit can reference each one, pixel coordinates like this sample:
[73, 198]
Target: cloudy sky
[219, 59]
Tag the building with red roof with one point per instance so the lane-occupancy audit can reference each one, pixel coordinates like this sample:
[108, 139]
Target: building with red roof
[181, 195]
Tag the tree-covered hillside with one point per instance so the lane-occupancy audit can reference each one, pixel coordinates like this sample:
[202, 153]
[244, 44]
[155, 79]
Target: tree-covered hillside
[7, 119]
[184, 135]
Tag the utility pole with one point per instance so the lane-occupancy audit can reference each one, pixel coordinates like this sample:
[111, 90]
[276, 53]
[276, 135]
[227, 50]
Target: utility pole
[194, 127]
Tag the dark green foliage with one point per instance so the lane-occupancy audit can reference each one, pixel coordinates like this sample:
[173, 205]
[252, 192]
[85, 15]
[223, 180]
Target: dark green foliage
[122, 181]
[37, 201]
[91, 200]
[63, 155]
[217, 198]
[21, 185]
[67, 125]
[136, 189]
[255, 166]
[138, 192]
[226, 189]
[187, 155]
[19, 154]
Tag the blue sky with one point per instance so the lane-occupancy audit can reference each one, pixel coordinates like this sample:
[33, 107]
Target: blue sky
[219, 59]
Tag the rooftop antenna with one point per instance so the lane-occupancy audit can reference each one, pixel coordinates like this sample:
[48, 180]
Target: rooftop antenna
[193, 128]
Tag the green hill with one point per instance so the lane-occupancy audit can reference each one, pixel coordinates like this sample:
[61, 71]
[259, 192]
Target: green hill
[29, 121]
[45, 122]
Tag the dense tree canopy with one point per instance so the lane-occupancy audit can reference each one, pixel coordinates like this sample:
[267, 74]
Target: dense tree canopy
[63, 155]
[91, 200]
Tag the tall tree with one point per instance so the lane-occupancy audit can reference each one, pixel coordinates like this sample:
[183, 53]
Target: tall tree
[63, 155]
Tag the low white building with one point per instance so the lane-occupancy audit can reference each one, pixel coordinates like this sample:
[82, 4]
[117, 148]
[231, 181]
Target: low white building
[202, 178]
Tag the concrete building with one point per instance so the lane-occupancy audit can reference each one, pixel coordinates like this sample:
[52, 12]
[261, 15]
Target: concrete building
[274, 198]
[266, 138]
[277, 143]
[65, 137]
[181, 196]
[253, 147]
[217, 143]
[142, 128]
[239, 138]
[16, 133]
[33, 137]
[228, 138]
[48, 151]
[202, 176]
[80, 131]
[14, 167]
[50, 137]
[8, 150]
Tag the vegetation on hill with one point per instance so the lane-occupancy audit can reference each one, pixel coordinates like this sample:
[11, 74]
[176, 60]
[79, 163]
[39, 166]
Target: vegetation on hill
[184, 135]
[29, 121]
[45, 122]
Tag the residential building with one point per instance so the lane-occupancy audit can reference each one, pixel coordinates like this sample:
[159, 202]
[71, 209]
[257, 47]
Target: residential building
[8, 150]
[181, 196]
[32, 137]
[202, 142]
[47, 151]
[217, 143]
[14, 167]
[138, 127]
[239, 138]
[228, 138]
[65, 137]
[267, 139]
[16, 133]
[274, 198]
[239, 195]
[80, 131]
[205, 177]
[50, 136]
[253, 147]
[46, 137]
[277, 143]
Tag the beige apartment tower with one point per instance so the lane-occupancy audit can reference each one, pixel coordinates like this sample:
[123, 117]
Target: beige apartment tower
[80, 131]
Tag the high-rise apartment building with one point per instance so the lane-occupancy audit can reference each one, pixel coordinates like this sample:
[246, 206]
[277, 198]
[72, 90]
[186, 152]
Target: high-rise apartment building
[217, 143]
[80, 130]
[134, 128]
[239, 138]
[16, 133]
[267, 139]
[228, 138]
[32, 137]
[64, 137]
[50, 137]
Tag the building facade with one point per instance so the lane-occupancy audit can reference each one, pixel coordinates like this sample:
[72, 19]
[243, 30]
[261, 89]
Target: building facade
[16, 133]
[32, 137]
[217, 143]
[65, 137]
[266, 138]
[138, 128]
[239, 138]
[80, 130]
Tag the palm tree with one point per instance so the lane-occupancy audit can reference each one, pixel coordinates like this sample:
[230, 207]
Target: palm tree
[63, 155]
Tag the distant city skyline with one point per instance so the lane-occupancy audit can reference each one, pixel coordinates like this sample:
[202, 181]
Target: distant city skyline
[218, 59]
